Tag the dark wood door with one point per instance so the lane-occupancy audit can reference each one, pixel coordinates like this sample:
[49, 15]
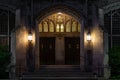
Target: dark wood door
[47, 50]
[72, 51]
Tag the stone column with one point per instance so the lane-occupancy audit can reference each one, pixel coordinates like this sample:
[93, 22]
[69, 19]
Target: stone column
[12, 65]
[89, 56]
[37, 54]
[59, 51]
[21, 50]
[98, 50]
[82, 59]
[106, 57]
[30, 58]
[105, 36]
[13, 57]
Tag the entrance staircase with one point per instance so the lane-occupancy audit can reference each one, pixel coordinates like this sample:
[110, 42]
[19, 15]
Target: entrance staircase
[58, 73]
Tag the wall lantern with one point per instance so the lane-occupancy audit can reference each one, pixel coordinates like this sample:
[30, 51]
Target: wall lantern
[30, 37]
[88, 36]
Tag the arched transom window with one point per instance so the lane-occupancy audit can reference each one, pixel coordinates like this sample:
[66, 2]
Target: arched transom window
[59, 22]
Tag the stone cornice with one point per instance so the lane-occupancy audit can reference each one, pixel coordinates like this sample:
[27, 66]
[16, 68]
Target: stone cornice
[8, 7]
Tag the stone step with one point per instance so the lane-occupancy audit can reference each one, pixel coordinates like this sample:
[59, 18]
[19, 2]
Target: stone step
[58, 73]
[58, 78]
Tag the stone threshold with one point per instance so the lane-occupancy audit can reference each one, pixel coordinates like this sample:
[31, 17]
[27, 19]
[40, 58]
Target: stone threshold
[54, 78]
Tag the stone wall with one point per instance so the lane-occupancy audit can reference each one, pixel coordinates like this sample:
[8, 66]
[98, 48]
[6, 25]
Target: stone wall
[21, 49]
[98, 52]
[97, 47]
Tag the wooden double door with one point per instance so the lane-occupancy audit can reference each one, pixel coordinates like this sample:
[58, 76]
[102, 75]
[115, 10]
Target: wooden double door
[49, 55]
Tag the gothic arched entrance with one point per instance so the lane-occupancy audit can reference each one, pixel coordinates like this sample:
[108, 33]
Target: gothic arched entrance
[59, 40]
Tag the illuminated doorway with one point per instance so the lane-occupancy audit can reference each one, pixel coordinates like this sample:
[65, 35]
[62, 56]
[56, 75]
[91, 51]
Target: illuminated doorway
[59, 40]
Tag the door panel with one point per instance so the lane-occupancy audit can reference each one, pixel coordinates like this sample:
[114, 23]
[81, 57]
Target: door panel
[47, 50]
[72, 51]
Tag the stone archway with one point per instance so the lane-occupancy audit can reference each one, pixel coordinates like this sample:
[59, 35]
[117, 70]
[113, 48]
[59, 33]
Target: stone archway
[71, 13]
[59, 37]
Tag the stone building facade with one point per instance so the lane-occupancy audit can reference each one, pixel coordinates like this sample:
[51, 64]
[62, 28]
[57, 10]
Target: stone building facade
[74, 32]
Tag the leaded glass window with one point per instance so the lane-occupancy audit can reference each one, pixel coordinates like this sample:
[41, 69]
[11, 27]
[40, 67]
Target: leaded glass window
[79, 27]
[7, 24]
[68, 26]
[59, 22]
[45, 27]
[40, 28]
[51, 27]
[112, 25]
[74, 27]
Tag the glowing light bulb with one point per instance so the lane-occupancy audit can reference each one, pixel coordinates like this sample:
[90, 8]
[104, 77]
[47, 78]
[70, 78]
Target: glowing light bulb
[30, 37]
[88, 37]
[59, 13]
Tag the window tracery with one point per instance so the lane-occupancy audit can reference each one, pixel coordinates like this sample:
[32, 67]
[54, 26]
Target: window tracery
[59, 22]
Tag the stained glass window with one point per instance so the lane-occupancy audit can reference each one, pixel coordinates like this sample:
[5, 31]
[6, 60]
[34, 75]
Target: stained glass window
[51, 26]
[57, 28]
[40, 27]
[45, 27]
[62, 28]
[68, 26]
[74, 27]
[59, 22]
[79, 27]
